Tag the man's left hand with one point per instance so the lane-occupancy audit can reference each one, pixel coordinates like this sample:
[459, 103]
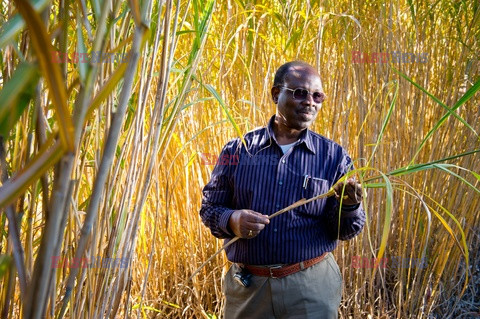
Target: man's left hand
[353, 193]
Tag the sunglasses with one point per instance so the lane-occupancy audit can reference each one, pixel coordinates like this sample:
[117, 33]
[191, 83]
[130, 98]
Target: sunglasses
[301, 94]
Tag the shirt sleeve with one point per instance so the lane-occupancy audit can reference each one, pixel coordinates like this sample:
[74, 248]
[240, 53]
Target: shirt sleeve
[351, 219]
[217, 206]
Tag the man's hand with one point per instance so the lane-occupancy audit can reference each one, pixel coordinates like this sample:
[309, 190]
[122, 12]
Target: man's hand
[353, 191]
[246, 223]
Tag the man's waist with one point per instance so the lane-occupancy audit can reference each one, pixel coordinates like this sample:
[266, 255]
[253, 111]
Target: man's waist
[281, 270]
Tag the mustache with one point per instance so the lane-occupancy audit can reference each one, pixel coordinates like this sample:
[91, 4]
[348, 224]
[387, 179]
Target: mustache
[308, 110]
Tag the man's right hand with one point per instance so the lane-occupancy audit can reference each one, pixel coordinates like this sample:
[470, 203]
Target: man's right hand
[246, 223]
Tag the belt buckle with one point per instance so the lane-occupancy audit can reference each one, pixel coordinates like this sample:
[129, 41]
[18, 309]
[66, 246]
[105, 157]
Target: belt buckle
[274, 267]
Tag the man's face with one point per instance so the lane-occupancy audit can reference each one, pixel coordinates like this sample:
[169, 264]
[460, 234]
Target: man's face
[294, 113]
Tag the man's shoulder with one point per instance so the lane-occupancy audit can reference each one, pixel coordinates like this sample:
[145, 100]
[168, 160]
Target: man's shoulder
[329, 149]
[258, 131]
[254, 136]
[251, 138]
[319, 139]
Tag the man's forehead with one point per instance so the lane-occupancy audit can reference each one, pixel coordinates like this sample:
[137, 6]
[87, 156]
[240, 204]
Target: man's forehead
[298, 72]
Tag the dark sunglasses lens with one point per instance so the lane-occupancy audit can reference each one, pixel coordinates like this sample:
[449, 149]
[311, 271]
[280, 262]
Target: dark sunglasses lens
[318, 97]
[300, 94]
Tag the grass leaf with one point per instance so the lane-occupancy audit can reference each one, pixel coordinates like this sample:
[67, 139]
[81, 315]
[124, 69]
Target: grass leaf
[51, 71]
[219, 99]
[385, 121]
[16, 94]
[451, 112]
[387, 219]
[82, 67]
[47, 156]
[5, 261]
[12, 27]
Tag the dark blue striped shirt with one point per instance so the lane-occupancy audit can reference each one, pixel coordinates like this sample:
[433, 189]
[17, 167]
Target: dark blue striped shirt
[261, 178]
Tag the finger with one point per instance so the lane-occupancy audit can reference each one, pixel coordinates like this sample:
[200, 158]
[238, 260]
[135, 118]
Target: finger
[360, 192]
[347, 192]
[354, 188]
[337, 195]
[352, 191]
[245, 231]
[255, 217]
[250, 233]
[338, 188]
[253, 234]
[255, 226]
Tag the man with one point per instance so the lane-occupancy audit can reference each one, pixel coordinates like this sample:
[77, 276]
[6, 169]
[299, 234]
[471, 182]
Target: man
[283, 267]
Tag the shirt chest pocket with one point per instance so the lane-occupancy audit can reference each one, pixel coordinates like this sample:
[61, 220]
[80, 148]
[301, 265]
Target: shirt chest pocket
[311, 187]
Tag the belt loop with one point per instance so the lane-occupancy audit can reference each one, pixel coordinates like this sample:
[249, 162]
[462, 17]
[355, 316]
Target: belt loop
[302, 267]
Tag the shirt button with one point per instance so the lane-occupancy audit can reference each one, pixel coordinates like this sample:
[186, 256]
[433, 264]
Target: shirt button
[275, 230]
[280, 183]
[277, 206]
[283, 161]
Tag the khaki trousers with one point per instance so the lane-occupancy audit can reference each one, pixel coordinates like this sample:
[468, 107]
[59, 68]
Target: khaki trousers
[314, 292]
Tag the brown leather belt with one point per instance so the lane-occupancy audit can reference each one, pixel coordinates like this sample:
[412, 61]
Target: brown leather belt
[283, 271]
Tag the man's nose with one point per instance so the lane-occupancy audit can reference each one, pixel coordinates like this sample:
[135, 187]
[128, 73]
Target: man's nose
[309, 99]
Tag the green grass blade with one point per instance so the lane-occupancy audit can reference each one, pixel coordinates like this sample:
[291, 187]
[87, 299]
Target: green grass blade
[464, 244]
[444, 167]
[5, 262]
[12, 27]
[412, 11]
[385, 121]
[217, 96]
[16, 94]
[388, 215]
[51, 71]
[47, 156]
[468, 95]
[96, 9]
[387, 222]
[450, 111]
[82, 67]
[418, 167]
[106, 89]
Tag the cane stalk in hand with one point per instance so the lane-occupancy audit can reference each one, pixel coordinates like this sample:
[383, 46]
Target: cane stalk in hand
[301, 202]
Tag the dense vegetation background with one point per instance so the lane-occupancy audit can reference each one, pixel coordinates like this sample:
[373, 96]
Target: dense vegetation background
[112, 111]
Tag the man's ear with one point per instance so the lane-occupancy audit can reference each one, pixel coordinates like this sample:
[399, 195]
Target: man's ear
[275, 92]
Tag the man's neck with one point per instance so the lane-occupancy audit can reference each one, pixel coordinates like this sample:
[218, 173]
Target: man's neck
[284, 134]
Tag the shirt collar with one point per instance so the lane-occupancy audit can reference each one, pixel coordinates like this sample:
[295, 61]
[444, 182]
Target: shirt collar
[305, 137]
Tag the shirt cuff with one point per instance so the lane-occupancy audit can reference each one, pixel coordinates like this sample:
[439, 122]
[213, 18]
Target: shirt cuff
[223, 223]
[349, 210]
